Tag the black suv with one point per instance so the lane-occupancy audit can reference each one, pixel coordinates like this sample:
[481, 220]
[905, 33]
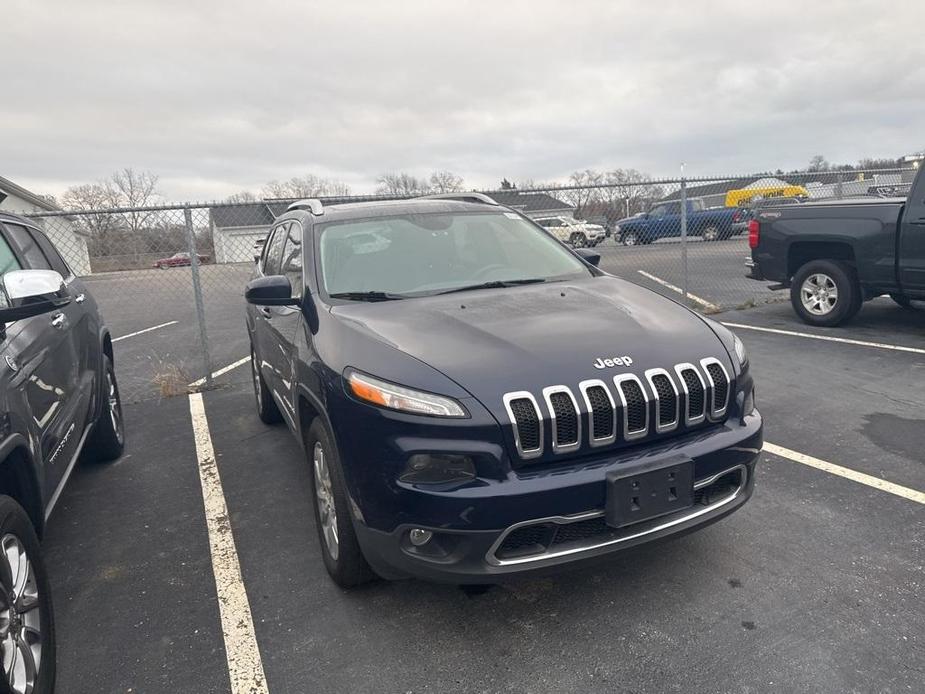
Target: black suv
[59, 398]
[477, 400]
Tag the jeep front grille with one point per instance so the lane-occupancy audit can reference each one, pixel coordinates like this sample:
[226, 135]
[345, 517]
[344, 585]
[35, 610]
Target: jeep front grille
[620, 410]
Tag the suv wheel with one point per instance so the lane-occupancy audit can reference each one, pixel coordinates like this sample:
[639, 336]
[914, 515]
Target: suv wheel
[340, 549]
[108, 440]
[577, 240]
[825, 293]
[266, 407]
[629, 238]
[27, 630]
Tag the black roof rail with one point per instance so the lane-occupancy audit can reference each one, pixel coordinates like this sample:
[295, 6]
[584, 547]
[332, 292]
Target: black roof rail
[461, 197]
[313, 205]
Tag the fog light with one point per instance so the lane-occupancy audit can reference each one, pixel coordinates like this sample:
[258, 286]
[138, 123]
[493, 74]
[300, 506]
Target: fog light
[438, 468]
[419, 536]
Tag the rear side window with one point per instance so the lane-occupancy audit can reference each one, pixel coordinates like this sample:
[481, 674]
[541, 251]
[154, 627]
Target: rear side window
[58, 264]
[28, 247]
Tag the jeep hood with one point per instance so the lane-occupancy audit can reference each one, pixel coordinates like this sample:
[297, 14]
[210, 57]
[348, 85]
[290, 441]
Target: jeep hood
[493, 342]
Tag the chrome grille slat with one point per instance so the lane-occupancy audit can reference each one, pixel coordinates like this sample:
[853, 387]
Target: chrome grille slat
[564, 418]
[666, 399]
[599, 412]
[719, 384]
[634, 400]
[690, 380]
[515, 400]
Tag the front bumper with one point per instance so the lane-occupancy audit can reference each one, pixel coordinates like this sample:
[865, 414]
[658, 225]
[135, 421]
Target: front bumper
[724, 464]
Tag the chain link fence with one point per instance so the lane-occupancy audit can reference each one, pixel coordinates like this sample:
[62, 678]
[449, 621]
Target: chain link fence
[169, 279]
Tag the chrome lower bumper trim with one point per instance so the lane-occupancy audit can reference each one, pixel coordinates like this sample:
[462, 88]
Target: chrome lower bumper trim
[565, 520]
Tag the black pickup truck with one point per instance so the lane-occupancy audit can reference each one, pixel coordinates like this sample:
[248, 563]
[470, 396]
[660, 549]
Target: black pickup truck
[835, 255]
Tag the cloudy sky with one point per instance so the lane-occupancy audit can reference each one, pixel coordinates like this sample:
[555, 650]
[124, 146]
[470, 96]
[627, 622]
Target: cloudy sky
[216, 96]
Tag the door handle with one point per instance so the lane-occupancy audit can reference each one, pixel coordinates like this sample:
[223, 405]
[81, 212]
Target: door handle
[58, 320]
[79, 299]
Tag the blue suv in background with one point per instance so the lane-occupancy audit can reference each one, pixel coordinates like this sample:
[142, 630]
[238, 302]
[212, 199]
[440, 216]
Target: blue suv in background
[477, 400]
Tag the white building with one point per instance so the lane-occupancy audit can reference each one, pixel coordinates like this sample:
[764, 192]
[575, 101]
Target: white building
[68, 239]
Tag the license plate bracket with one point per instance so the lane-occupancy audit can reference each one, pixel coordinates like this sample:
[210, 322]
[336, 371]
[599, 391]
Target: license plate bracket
[649, 490]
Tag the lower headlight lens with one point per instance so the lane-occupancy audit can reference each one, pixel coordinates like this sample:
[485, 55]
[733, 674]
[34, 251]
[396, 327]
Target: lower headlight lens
[438, 468]
[397, 397]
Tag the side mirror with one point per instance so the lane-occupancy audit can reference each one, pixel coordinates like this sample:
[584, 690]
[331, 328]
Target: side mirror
[27, 293]
[589, 256]
[275, 290]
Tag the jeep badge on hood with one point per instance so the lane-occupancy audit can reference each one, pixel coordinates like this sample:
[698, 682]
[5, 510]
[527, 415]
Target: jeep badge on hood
[612, 361]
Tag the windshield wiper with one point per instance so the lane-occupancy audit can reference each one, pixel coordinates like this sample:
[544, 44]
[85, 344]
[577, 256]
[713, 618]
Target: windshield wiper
[495, 284]
[367, 296]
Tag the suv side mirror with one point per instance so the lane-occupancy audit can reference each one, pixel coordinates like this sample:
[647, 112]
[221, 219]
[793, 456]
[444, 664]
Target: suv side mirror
[589, 256]
[274, 290]
[27, 293]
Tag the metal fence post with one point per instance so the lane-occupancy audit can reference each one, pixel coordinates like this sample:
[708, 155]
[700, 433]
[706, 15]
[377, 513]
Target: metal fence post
[839, 189]
[197, 293]
[684, 235]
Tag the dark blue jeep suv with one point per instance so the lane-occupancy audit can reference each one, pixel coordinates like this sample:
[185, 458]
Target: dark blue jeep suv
[477, 400]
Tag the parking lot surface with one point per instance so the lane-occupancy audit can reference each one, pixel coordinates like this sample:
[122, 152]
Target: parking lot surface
[815, 585]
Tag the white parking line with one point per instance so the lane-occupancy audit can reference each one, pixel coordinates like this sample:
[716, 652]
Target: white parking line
[827, 338]
[692, 297]
[245, 668]
[225, 369]
[146, 330]
[847, 473]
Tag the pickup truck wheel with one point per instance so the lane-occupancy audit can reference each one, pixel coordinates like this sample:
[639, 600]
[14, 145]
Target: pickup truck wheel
[340, 549]
[629, 238]
[825, 293]
[711, 233]
[266, 406]
[108, 439]
[902, 300]
[27, 629]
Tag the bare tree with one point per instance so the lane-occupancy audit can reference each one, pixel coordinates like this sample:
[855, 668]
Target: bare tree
[308, 186]
[401, 184]
[818, 163]
[90, 197]
[445, 182]
[582, 197]
[242, 196]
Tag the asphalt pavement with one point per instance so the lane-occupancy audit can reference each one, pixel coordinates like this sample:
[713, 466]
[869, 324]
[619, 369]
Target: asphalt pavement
[815, 585]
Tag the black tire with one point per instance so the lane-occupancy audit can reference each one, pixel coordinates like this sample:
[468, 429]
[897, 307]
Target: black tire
[902, 300]
[18, 540]
[629, 238]
[711, 233]
[577, 240]
[108, 440]
[342, 555]
[267, 409]
[829, 274]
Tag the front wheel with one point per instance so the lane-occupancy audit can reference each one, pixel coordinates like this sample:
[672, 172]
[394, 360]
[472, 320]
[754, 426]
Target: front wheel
[27, 629]
[629, 238]
[825, 293]
[108, 440]
[577, 240]
[711, 233]
[340, 549]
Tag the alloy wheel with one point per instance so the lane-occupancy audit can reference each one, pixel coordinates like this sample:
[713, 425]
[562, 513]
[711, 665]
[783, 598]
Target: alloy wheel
[256, 376]
[20, 618]
[324, 493]
[819, 294]
[114, 405]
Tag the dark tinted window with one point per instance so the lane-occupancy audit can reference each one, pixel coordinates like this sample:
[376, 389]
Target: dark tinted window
[58, 263]
[28, 248]
[292, 258]
[273, 256]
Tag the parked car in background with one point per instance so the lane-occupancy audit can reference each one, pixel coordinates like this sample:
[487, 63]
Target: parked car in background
[664, 221]
[58, 400]
[834, 255]
[177, 260]
[574, 232]
[476, 401]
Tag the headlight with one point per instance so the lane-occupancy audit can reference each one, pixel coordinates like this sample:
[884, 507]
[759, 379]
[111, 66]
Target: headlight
[396, 397]
[741, 354]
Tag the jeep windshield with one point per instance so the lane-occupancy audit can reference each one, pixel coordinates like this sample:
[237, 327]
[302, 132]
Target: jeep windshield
[426, 254]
